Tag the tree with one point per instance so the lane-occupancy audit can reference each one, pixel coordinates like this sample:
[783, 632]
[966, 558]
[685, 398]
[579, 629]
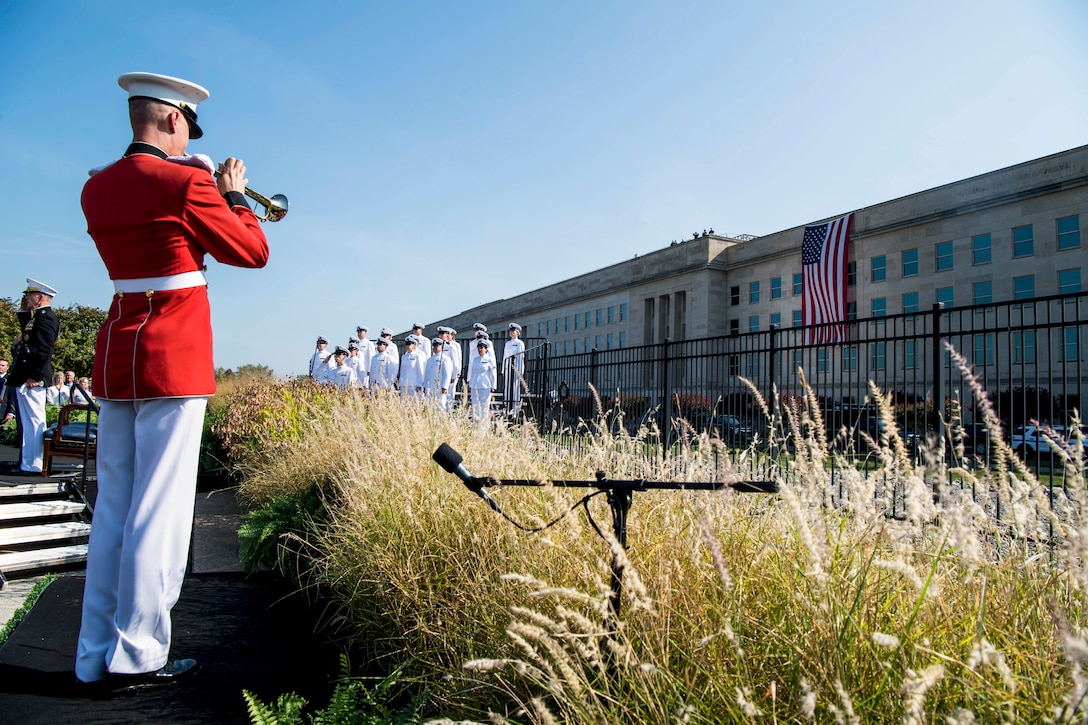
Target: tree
[79, 326]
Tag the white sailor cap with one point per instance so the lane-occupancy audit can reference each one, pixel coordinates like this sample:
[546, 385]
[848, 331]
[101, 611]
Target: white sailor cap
[353, 346]
[339, 351]
[381, 341]
[483, 342]
[322, 339]
[445, 330]
[515, 326]
[417, 325]
[181, 94]
[33, 285]
[352, 340]
[385, 331]
[411, 340]
[361, 328]
[479, 326]
[437, 341]
[480, 335]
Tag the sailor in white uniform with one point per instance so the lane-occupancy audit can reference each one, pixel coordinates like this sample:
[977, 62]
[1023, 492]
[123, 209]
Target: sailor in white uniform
[366, 354]
[483, 379]
[412, 368]
[383, 368]
[437, 375]
[342, 375]
[423, 348]
[513, 369]
[452, 348]
[322, 356]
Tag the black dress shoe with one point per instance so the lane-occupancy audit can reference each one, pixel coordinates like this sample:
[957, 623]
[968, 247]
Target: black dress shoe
[168, 674]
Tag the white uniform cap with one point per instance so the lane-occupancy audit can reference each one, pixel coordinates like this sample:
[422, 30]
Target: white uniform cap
[479, 326]
[180, 94]
[515, 326]
[385, 331]
[33, 285]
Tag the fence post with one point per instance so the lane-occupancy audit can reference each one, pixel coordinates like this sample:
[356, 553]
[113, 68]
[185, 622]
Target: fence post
[938, 394]
[545, 389]
[666, 399]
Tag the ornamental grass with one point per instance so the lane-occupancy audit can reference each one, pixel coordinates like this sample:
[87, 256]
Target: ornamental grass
[914, 593]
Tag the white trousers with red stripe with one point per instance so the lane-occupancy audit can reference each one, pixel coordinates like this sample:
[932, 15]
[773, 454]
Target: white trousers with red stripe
[147, 465]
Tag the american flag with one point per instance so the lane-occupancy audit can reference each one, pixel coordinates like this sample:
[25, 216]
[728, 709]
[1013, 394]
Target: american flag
[823, 279]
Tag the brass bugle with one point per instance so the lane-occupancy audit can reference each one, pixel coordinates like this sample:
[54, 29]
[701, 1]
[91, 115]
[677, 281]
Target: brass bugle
[275, 208]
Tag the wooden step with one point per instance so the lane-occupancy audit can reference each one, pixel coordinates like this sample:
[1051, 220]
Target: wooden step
[38, 509]
[43, 532]
[32, 489]
[43, 558]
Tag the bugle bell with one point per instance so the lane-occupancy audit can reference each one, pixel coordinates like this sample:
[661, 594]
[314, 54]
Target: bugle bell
[275, 207]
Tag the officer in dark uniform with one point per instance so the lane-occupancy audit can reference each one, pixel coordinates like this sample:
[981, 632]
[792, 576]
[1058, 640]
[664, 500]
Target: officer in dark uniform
[32, 371]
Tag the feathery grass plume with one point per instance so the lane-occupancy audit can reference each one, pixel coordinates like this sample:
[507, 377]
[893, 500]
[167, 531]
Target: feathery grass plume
[806, 703]
[984, 653]
[915, 687]
[844, 711]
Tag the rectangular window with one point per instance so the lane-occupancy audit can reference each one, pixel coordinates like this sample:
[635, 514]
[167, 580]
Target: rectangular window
[611, 315]
[911, 358]
[1069, 232]
[983, 349]
[776, 288]
[586, 346]
[981, 251]
[1071, 344]
[623, 312]
[596, 342]
[880, 306]
[1068, 281]
[600, 317]
[753, 323]
[850, 358]
[540, 329]
[879, 355]
[1023, 346]
[1023, 241]
[852, 310]
[566, 347]
[945, 298]
[797, 283]
[880, 268]
[753, 292]
[798, 362]
[910, 262]
[910, 302]
[734, 295]
[566, 324]
[943, 254]
[577, 322]
[608, 341]
[623, 339]
[776, 319]
[753, 365]
[734, 364]
[982, 293]
[797, 318]
[548, 327]
[587, 321]
[1023, 288]
[851, 274]
[823, 360]
[734, 327]
[556, 325]
[575, 347]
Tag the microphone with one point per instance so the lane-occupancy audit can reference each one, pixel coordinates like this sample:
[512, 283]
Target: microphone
[451, 462]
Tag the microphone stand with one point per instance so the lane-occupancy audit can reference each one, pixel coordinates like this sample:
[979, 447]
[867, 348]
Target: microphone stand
[620, 497]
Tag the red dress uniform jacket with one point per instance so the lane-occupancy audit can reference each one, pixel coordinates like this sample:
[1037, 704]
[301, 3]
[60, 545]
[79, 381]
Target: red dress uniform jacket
[150, 217]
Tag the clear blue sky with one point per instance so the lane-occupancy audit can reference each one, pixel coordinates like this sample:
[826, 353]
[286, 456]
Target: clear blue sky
[440, 155]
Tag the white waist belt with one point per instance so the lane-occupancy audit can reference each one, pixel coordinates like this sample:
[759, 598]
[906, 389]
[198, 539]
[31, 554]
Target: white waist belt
[160, 284]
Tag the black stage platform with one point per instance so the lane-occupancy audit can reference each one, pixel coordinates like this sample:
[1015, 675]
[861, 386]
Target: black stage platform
[244, 633]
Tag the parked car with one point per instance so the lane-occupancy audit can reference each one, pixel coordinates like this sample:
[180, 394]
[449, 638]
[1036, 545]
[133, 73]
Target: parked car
[1027, 440]
[729, 428]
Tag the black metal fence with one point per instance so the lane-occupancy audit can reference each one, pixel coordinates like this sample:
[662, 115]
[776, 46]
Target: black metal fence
[1029, 356]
